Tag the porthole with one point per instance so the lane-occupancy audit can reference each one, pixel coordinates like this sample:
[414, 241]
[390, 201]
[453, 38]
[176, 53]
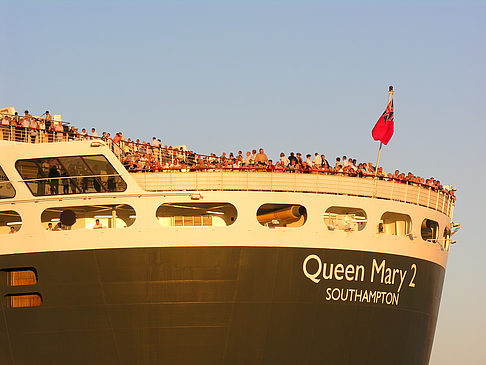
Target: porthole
[396, 224]
[282, 215]
[429, 230]
[10, 222]
[88, 217]
[196, 214]
[345, 219]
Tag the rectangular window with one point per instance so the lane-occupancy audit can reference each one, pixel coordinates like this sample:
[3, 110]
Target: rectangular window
[23, 300]
[21, 277]
[70, 175]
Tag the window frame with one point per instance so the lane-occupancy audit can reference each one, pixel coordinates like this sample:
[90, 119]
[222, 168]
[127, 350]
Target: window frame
[5, 181]
[77, 183]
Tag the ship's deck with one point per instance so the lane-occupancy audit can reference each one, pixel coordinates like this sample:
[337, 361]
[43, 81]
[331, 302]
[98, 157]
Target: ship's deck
[194, 177]
[303, 183]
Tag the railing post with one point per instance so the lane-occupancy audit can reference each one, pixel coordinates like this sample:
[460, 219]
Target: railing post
[418, 195]
[406, 192]
[443, 203]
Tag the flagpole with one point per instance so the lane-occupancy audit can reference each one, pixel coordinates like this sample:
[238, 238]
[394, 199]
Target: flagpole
[390, 94]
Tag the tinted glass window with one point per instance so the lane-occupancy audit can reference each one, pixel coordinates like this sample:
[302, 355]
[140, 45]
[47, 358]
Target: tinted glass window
[70, 175]
[6, 188]
[23, 300]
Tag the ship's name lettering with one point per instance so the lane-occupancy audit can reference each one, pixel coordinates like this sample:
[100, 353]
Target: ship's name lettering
[317, 269]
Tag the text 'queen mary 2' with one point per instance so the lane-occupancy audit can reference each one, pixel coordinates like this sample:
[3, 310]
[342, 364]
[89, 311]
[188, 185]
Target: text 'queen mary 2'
[212, 267]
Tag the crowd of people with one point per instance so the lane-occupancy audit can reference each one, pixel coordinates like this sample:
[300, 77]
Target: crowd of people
[141, 156]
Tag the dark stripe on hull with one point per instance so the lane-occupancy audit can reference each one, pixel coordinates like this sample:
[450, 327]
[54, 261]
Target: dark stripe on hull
[219, 305]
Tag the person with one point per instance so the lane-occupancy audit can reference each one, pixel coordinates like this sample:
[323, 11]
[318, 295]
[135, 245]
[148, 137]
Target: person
[248, 159]
[59, 131]
[317, 161]
[12, 230]
[33, 129]
[97, 225]
[308, 161]
[252, 158]
[284, 161]
[49, 227]
[94, 135]
[299, 158]
[42, 130]
[25, 125]
[65, 182]
[261, 158]
[5, 128]
[292, 158]
[156, 143]
[54, 183]
[292, 167]
[48, 119]
[345, 161]
[338, 165]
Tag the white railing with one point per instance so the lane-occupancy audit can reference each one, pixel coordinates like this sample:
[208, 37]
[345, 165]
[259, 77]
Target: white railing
[304, 183]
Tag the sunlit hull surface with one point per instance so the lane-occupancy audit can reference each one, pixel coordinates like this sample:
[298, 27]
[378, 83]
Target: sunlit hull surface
[222, 305]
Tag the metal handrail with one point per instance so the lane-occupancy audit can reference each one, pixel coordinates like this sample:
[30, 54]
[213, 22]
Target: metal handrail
[67, 177]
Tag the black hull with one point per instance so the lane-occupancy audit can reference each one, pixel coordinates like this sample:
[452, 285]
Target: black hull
[218, 305]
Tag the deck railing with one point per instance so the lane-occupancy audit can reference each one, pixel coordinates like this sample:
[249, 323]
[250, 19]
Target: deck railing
[303, 183]
[241, 178]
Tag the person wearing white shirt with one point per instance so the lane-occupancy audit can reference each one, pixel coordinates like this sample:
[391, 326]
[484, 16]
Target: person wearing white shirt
[98, 225]
[248, 159]
[284, 160]
[308, 160]
[345, 161]
[317, 161]
[156, 142]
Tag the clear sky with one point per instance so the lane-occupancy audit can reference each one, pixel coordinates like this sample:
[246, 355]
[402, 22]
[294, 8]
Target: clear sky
[308, 76]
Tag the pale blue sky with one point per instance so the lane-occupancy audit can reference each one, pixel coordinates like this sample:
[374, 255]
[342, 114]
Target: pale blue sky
[309, 76]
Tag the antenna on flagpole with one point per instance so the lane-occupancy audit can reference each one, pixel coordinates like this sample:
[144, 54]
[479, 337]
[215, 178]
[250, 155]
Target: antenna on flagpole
[390, 94]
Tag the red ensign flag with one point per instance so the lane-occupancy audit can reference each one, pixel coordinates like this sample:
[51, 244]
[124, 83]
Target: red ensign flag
[383, 129]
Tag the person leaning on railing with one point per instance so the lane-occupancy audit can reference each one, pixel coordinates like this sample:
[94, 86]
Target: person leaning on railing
[5, 128]
[142, 156]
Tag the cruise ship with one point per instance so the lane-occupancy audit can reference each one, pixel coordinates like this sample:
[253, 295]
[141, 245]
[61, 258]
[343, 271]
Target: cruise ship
[102, 266]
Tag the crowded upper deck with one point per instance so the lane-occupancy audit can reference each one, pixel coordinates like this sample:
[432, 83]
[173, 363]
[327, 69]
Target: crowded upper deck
[141, 156]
